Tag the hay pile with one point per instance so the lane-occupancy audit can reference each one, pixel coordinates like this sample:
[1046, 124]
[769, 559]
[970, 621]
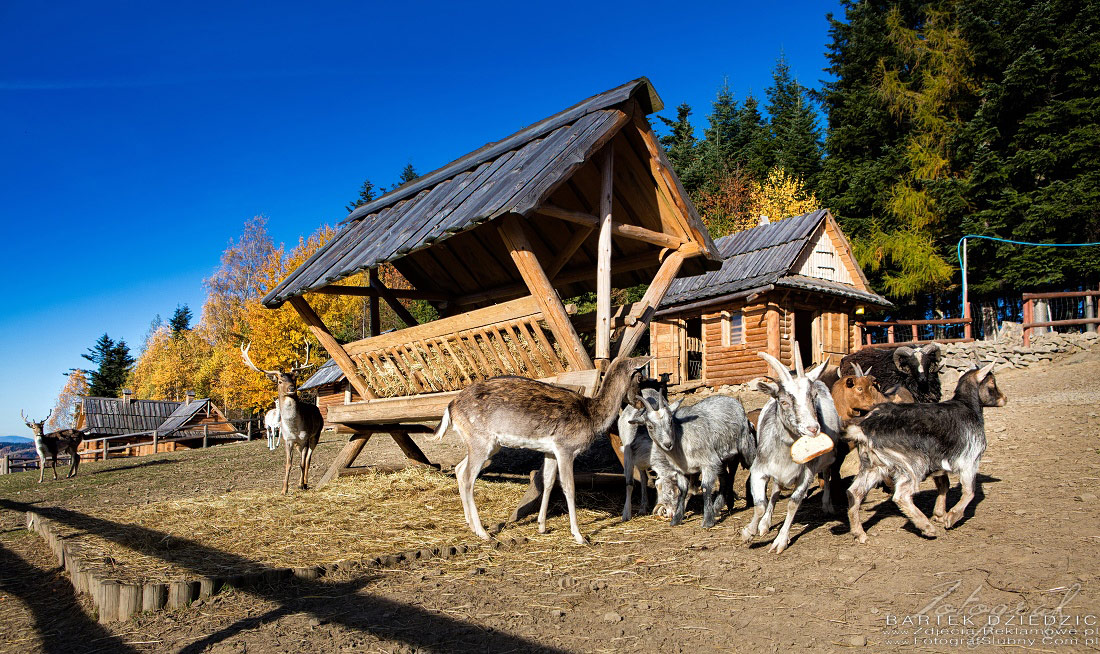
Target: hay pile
[355, 518]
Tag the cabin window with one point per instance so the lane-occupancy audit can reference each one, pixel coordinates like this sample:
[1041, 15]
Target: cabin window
[733, 332]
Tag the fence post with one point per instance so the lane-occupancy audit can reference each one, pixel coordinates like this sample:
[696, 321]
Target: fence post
[1028, 309]
[156, 441]
[1090, 312]
[915, 333]
[890, 334]
[966, 326]
[205, 434]
[4, 465]
[250, 428]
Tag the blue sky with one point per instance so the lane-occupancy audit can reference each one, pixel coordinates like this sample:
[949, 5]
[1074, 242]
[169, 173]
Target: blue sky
[136, 138]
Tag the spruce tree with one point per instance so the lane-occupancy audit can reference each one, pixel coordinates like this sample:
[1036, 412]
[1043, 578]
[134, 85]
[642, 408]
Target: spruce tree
[681, 148]
[757, 151]
[366, 194]
[796, 136]
[180, 320]
[408, 174]
[112, 364]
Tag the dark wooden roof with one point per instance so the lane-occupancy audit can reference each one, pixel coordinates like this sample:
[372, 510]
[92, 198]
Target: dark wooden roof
[761, 256]
[109, 416]
[512, 176]
[329, 373]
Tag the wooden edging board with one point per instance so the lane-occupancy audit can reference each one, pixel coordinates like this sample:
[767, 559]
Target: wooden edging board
[116, 601]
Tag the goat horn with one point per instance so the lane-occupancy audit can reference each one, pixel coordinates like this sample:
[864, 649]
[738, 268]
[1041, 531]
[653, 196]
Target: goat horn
[798, 361]
[779, 368]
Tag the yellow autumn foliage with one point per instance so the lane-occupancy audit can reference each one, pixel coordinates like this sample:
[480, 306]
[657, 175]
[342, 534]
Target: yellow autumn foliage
[780, 196]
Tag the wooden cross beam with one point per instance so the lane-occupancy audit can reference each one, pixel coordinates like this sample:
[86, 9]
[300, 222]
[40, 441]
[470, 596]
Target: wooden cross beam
[331, 345]
[367, 291]
[619, 229]
[398, 308]
[516, 241]
[648, 304]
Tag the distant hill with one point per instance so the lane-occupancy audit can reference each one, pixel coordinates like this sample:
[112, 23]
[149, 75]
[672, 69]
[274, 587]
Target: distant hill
[20, 447]
[5, 440]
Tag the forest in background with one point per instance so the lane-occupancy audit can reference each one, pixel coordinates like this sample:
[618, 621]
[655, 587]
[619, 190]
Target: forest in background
[941, 119]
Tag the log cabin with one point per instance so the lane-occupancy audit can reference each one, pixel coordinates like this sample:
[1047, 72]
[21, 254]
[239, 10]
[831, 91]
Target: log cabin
[794, 280]
[132, 421]
[584, 200]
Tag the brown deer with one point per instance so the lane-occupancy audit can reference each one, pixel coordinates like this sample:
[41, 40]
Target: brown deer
[300, 422]
[519, 412]
[65, 440]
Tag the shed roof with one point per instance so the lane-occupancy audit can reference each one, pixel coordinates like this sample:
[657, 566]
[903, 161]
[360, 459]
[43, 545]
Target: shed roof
[761, 256]
[184, 413]
[514, 175]
[108, 416]
[327, 374]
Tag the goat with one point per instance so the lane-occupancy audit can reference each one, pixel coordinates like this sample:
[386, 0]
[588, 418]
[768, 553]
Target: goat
[907, 443]
[640, 455]
[703, 438]
[799, 406]
[271, 424]
[300, 422]
[49, 445]
[915, 369]
[514, 411]
[854, 395]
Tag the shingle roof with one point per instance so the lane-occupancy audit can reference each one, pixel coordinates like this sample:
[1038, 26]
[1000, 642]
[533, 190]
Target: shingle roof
[510, 176]
[326, 374]
[761, 256]
[107, 416]
[182, 414]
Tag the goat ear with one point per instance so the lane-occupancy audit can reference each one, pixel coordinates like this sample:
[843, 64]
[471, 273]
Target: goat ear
[675, 405]
[900, 355]
[765, 385]
[850, 382]
[637, 422]
[984, 372]
[817, 370]
[637, 363]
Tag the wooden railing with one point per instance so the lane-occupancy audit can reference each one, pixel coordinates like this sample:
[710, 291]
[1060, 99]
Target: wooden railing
[914, 331]
[1029, 322]
[452, 353]
[156, 440]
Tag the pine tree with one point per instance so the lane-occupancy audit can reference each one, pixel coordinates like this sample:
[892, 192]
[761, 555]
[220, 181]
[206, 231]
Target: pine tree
[366, 194]
[180, 320]
[756, 151]
[722, 139]
[796, 136]
[681, 147]
[408, 174]
[113, 363]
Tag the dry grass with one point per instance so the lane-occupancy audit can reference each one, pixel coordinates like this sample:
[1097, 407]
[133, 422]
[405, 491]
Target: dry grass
[356, 518]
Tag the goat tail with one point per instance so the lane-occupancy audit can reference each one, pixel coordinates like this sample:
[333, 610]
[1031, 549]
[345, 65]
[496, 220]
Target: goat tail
[444, 424]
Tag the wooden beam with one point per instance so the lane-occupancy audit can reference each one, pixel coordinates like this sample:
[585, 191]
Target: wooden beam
[345, 458]
[603, 259]
[619, 229]
[331, 345]
[411, 450]
[575, 274]
[621, 316]
[664, 176]
[515, 240]
[398, 308]
[366, 291]
[653, 296]
[567, 252]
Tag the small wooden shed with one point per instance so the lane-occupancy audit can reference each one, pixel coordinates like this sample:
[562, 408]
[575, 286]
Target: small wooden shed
[790, 281]
[584, 200]
[132, 421]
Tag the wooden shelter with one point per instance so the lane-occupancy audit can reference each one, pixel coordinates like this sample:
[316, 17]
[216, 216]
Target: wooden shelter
[133, 421]
[584, 200]
[794, 280]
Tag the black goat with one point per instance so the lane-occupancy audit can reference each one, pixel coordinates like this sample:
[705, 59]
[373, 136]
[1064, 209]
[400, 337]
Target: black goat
[907, 443]
[916, 369]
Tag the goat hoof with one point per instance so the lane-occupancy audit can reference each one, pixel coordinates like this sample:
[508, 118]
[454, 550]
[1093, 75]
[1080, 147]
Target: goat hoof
[778, 546]
[860, 537]
[931, 531]
[746, 534]
[581, 540]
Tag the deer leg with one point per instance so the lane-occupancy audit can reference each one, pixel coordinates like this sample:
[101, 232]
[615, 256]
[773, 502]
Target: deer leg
[74, 462]
[943, 484]
[41, 467]
[549, 476]
[968, 479]
[286, 473]
[475, 458]
[307, 458]
[565, 472]
[53, 465]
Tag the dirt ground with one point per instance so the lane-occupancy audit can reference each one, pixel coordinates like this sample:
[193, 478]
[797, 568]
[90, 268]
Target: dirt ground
[1020, 573]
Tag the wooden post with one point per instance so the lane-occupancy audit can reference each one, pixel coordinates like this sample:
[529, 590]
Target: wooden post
[129, 601]
[394, 303]
[411, 450]
[914, 329]
[653, 296]
[156, 441]
[1028, 309]
[205, 435]
[967, 331]
[5, 465]
[248, 429]
[375, 314]
[516, 241]
[335, 350]
[890, 334]
[603, 260]
[346, 457]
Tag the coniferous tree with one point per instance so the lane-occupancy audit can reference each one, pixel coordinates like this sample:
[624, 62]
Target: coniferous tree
[408, 174]
[366, 194]
[113, 363]
[681, 147]
[721, 140]
[796, 137]
[756, 151]
[180, 320]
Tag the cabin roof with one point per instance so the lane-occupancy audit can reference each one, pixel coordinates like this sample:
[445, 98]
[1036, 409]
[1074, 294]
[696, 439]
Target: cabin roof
[329, 373]
[513, 176]
[108, 416]
[761, 256]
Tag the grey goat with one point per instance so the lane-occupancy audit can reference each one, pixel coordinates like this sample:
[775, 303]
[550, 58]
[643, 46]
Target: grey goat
[640, 455]
[703, 438]
[800, 405]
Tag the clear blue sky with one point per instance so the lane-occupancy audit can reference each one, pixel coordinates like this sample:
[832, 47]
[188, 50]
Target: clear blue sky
[136, 137]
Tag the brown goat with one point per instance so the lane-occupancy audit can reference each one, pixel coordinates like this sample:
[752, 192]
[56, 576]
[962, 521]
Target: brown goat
[855, 395]
[519, 412]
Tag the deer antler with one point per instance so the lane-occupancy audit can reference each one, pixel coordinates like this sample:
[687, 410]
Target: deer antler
[248, 361]
[305, 366]
[23, 415]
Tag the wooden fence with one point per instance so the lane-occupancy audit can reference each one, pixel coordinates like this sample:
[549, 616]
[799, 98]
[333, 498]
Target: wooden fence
[9, 464]
[1030, 323]
[914, 331]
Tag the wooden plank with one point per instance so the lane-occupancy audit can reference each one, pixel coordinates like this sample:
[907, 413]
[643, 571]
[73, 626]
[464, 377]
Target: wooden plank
[495, 331]
[511, 230]
[331, 345]
[463, 371]
[409, 447]
[603, 259]
[395, 304]
[540, 365]
[649, 302]
[345, 458]
[366, 291]
[566, 253]
[532, 371]
[513, 310]
[548, 350]
[624, 230]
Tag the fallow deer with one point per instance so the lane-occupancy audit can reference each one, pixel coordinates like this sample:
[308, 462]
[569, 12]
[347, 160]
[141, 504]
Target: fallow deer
[49, 445]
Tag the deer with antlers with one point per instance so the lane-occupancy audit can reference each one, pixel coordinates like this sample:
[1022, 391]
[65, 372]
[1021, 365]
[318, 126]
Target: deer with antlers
[49, 445]
[299, 422]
